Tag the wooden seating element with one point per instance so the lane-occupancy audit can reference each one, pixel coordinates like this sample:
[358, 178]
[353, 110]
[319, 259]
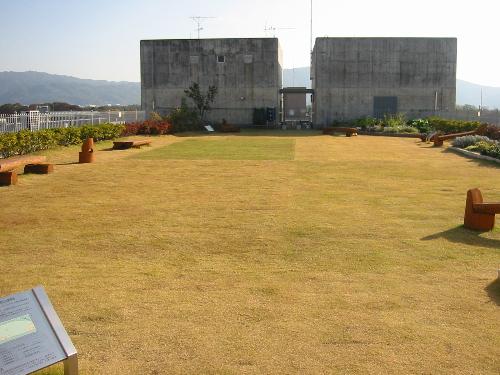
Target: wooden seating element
[349, 132]
[439, 139]
[87, 153]
[228, 128]
[123, 145]
[479, 215]
[31, 163]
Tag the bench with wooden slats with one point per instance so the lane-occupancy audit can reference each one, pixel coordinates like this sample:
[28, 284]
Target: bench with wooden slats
[31, 163]
[123, 145]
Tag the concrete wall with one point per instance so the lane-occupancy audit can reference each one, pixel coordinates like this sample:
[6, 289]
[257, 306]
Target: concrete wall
[249, 78]
[347, 73]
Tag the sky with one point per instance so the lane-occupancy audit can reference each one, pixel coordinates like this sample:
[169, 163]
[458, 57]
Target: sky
[99, 39]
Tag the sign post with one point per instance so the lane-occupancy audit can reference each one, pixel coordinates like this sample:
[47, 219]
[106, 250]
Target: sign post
[32, 336]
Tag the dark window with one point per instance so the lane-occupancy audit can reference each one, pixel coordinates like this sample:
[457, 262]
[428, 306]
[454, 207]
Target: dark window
[385, 105]
[221, 58]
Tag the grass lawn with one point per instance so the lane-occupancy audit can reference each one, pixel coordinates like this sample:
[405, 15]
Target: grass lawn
[230, 148]
[262, 253]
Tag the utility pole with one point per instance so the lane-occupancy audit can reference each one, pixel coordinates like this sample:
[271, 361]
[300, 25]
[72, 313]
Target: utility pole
[199, 20]
[480, 105]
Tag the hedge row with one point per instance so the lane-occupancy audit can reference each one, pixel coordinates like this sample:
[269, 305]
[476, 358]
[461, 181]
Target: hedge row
[25, 141]
[452, 126]
[148, 127]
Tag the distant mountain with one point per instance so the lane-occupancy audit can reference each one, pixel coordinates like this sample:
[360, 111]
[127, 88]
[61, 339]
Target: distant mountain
[36, 87]
[467, 93]
[470, 93]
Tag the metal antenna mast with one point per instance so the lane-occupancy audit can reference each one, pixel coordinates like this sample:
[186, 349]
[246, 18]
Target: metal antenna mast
[311, 26]
[198, 20]
[274, 29]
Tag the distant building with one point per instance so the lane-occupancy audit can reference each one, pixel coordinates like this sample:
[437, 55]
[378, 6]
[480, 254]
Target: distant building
[247, 73]
[357, 77]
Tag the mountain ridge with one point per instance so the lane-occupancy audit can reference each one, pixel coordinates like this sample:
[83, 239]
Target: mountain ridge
[38, 87]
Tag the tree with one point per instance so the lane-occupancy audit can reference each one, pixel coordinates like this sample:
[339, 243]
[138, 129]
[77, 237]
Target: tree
[202, 102]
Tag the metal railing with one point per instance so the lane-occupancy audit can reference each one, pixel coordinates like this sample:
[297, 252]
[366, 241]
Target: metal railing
[35, 120]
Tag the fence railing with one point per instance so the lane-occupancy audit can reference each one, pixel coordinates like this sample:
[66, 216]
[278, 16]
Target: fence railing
[35, 120]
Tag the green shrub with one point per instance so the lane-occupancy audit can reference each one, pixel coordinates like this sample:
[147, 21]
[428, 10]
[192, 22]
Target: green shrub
[184, 118]
[422, 125]
[366, 122]
[488, 148]
[25, 141]
[68, 136]
[390, 130]
[8, 144]
[452, 126]
[394, 121]
[405, 129]
[469, 140]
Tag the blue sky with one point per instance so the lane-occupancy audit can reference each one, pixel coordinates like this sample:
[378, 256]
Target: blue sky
[100, 39]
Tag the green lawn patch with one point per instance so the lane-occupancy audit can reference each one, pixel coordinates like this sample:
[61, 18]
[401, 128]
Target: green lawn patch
[225, 149]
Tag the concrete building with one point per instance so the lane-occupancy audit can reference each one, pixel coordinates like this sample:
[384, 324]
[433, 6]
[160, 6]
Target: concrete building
[246, 71]
[357, 77]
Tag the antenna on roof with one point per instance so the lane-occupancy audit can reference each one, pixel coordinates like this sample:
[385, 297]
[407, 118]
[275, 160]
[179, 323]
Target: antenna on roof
[274, 29]
[311, 26]
[198, 20]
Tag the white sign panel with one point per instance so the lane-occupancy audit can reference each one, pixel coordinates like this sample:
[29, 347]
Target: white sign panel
[32, 336]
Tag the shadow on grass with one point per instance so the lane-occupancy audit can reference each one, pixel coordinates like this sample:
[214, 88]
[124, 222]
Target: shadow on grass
[465, 236]
[493, 291]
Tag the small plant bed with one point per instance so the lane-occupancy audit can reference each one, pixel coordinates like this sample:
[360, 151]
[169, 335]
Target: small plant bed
[391, 125]
[426, 129]
[479, 145]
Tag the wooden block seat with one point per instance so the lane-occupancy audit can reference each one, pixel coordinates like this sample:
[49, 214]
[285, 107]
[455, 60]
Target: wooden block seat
[228, 128]
[478, 214]
[31, 164]
[123, 145]
[349, 132]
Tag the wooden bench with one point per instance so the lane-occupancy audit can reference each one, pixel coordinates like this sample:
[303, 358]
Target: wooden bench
[123, 145]
[479, 215]
[32, 164]
[348, 131]
[228, 128]
[439, 139]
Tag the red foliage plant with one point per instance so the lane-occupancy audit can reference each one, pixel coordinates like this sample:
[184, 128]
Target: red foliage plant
[148, 127]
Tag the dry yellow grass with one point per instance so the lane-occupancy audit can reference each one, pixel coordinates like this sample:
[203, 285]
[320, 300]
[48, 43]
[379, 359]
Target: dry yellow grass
[349, 258]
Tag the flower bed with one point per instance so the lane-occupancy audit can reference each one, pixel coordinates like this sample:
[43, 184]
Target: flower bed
[479, 144]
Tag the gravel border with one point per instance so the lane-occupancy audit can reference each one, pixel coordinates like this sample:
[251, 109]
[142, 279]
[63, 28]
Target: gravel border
[473, 155]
